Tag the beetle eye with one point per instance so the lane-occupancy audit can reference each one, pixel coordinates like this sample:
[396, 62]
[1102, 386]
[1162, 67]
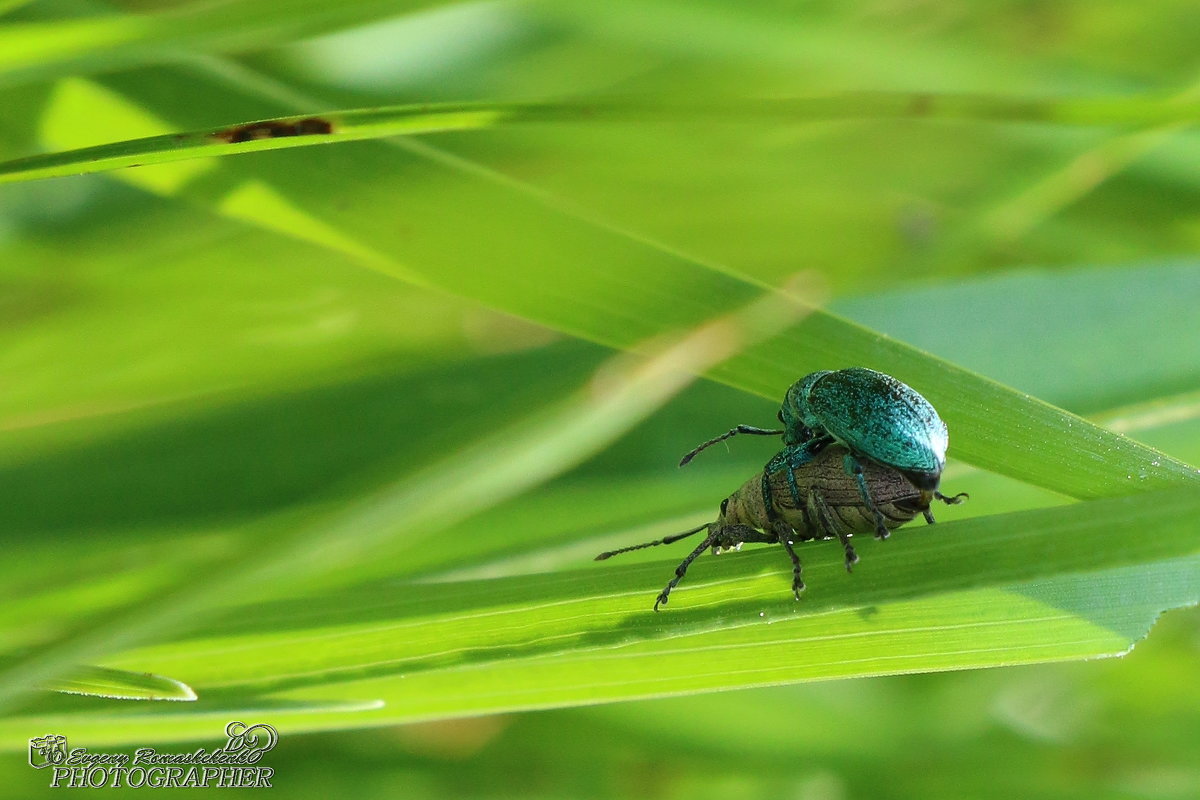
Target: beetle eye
[724, 505]
[780, 415]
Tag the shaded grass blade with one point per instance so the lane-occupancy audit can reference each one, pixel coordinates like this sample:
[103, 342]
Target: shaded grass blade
[622, 392]
[40, 50]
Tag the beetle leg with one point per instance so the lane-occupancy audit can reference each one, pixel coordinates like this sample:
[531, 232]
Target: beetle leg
[854, 468]
[795, 457]
[681, 570]
[781, 532]
[797, 581]
[732, 432]
[793, 489]
[950, 501]
[829, 525]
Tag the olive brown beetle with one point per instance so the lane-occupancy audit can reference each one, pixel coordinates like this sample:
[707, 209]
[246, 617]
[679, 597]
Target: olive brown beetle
[814, 497]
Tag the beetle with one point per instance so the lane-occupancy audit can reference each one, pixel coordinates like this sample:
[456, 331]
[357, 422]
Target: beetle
[814, 498]
[874, 416]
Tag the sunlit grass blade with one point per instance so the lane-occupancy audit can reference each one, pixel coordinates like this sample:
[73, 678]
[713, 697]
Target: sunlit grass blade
[119, 684]
[274, 134]
[429, 625]
[1006, 589]
[965, 630]
[412, 120]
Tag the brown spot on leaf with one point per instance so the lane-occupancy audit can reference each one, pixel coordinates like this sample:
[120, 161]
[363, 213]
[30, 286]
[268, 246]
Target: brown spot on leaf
[274, 129]
[921, 104]
[313, 125]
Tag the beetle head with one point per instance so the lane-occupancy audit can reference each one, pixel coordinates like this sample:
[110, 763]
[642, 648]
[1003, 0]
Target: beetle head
[925, 481]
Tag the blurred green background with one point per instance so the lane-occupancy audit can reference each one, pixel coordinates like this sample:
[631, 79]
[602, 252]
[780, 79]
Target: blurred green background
[190, 353]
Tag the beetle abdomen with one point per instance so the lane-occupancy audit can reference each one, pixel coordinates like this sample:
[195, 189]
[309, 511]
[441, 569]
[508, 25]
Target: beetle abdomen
[830, 500]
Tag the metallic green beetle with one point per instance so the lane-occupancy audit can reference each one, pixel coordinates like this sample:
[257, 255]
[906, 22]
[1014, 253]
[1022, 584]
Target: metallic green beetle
[815, 499]
[874, 416]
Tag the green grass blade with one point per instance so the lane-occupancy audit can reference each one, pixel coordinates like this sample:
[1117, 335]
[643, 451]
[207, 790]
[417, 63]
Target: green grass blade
[275, 134]
[1062, 314]
[519, 457]
[412, 120]
[1000, 590]
[39, 50]
[623, 289]
[624, 286]
[118, 684]
[212, 366]
[478, 622]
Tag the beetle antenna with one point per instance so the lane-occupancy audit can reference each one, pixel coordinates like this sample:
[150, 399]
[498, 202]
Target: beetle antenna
[952, 501]
[665, 540]
[739, 429]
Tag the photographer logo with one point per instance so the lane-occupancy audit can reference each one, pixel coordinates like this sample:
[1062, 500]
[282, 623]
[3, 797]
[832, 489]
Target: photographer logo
[233, 765]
